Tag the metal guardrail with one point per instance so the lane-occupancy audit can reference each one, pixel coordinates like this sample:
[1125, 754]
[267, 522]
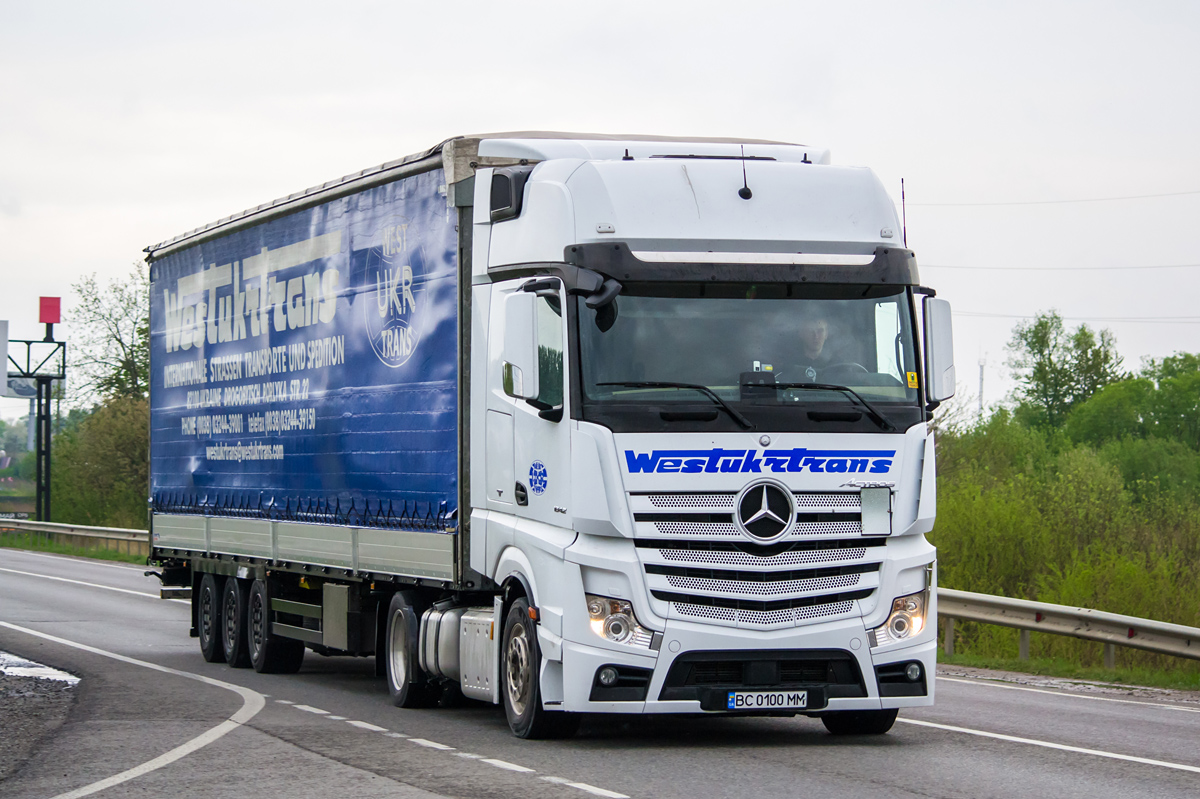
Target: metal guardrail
[1111, 629]
[104, 533]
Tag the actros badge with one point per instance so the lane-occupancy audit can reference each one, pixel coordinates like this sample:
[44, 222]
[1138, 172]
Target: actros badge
[765, 510]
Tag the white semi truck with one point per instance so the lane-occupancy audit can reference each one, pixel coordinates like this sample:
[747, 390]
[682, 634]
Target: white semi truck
[568, 423]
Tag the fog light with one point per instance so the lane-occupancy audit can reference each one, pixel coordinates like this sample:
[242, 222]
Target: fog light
[608, 676]
[912, 672]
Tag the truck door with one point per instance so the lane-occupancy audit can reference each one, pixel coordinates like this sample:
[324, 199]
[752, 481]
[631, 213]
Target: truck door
[541, 427]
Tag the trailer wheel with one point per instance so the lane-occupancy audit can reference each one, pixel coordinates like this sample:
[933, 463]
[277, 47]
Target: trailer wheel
[269, 653]
[233, 624]
[208, 620]
[520, 665]
[407, 684]
[859, 722]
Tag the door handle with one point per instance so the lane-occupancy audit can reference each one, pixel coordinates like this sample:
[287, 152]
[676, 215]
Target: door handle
[521, 494]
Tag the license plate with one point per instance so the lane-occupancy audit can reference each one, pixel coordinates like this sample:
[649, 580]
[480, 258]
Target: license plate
[766, 700]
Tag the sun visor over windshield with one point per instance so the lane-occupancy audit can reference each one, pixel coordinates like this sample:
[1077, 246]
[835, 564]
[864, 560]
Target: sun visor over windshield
[889, 266]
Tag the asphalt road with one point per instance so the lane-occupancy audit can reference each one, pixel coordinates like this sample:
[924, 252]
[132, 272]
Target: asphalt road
[151, 718]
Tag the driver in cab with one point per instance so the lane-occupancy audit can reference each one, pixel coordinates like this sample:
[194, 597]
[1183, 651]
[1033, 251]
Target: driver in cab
[813, 356]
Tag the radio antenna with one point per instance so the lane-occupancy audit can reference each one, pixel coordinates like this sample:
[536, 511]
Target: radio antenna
[744, 192]
[903, 216]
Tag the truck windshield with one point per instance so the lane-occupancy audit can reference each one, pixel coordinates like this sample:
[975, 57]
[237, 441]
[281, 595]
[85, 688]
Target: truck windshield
[668, 357]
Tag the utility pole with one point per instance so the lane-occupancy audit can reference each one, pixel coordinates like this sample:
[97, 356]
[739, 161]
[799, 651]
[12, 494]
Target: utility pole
[982, 364]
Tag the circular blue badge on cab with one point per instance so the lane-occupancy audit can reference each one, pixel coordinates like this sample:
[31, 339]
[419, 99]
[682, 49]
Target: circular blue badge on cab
[538, 477]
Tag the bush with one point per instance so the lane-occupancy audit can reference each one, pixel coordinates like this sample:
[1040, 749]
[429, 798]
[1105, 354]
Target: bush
[100, 473]
[1092, 516]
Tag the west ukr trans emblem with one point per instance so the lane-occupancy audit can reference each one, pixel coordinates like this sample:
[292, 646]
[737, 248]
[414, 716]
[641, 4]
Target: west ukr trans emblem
[393, 287]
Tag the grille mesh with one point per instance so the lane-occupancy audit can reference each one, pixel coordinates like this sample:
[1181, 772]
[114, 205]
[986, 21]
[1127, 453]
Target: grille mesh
[721, 501]
[764, 618]
[704, 611]
[828, 501]
[826, 528]
[697, 528]
[726, 529]
[763, 589]
[782, 559]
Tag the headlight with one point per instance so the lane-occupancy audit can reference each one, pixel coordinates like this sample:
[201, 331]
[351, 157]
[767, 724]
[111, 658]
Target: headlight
[906, 620]
[613, 620]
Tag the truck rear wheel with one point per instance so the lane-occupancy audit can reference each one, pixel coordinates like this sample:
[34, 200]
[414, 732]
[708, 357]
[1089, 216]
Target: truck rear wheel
[407, 684]
[208, 620]
[520, 665]
[233, 624]
[269, 653]
[859, 722]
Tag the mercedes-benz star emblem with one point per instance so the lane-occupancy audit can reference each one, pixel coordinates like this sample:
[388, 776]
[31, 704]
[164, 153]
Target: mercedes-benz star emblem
[765, 510]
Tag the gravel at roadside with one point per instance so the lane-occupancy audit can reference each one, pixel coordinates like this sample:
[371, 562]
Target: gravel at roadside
[31, 709]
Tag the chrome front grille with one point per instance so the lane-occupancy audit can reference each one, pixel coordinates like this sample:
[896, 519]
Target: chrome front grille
[710, 515]
[699, 566]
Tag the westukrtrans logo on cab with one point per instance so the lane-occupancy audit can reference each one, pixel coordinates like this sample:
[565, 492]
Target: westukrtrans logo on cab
[799, 459]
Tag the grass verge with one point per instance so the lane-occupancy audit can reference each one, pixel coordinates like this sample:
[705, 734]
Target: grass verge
[37, 543]
[1185, 678]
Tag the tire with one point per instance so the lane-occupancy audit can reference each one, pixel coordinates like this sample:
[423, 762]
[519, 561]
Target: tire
[269, 653]
[407, 684]
[859, 722]
[208, 620]
[520, 665]
[233, 624]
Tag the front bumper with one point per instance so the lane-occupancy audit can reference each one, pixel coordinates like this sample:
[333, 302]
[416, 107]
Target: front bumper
[842, 643]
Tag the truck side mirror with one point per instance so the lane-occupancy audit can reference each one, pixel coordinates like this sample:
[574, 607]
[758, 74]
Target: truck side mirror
[939, 351]
[520, 345]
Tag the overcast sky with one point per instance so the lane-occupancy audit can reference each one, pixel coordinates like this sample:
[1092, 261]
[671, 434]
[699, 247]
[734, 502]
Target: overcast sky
[124, 124]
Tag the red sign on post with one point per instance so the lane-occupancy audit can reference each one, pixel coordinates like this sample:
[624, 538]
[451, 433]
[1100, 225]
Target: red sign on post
[50, 310]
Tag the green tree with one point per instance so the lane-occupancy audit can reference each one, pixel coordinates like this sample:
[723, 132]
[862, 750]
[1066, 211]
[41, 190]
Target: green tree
[110, 329]
[1056, 369]
[101, 466]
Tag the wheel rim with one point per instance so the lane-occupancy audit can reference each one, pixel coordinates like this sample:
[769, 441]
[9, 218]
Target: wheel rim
[518, 673]
[230, 621]
[256, 625]
[397, 652]
[206, 614]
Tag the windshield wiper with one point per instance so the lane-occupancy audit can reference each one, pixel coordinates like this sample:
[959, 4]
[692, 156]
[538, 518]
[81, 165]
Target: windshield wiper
[875, 415]
[705, 390]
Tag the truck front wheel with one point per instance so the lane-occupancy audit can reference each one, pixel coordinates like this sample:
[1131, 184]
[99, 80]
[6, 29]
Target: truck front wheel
[208, 620]
[859, 722]
[519, 669]
[233, 624]
[406, 683]
[269, 653]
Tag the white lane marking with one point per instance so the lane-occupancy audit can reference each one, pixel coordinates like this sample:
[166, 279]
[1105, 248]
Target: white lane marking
[468, 756]
[337, 718]
[285, 701]
[311, 709]
[14, 666]
[364, 725]
[583, 786]
[252, 703]
[395, 735]
[1051, 745]
[430, 744]
[88, 561]
[504, 764]
[992, 684]
[93, 585]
